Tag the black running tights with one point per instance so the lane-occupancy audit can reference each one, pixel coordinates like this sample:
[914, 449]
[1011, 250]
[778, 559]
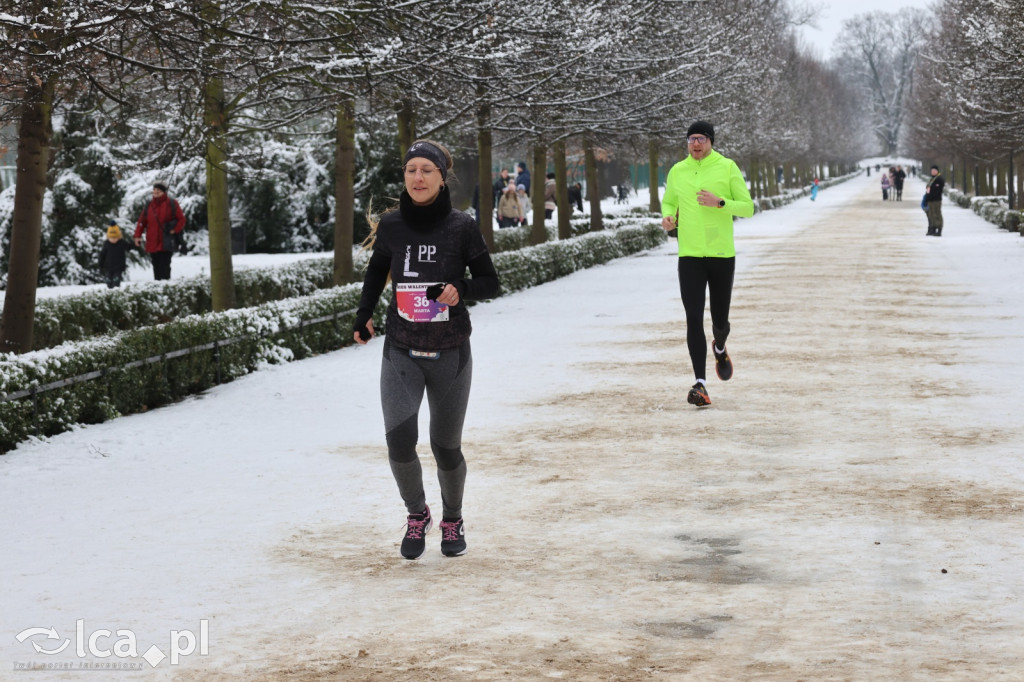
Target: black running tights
[697, 275]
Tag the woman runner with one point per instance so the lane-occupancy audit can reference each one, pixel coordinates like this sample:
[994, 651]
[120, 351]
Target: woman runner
[425, 248]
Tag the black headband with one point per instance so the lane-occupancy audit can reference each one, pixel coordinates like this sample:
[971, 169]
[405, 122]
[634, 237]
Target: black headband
[426, 150]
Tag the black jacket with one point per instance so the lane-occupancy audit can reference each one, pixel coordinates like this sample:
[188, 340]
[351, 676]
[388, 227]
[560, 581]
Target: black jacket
[935, 186]
[420, 246]
[114, 256]
[576, 197]
[498, 187]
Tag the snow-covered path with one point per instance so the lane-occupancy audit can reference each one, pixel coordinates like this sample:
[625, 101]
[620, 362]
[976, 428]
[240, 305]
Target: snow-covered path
[796, 529]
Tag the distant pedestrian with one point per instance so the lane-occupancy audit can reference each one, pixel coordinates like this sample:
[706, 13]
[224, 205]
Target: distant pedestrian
[159, 226]
[576, 196]
[703, 193]
[933, 201]
[886, 184]
[424, 249]
[523, 176]
[814, 189]
[500, 183]
[510, 213]
[524, 203]
[897, 182]
[550, 196]
[113, 259]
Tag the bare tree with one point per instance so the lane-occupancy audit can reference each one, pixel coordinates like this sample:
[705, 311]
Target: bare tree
[878, 51]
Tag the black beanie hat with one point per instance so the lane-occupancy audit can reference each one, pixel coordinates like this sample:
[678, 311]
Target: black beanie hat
[162, 186]
[702, 128]
[936, 167]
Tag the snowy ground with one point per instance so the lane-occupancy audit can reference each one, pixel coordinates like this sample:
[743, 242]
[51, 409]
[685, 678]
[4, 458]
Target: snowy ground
[799, 528]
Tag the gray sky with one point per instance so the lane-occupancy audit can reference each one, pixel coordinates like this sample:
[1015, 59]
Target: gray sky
[832, 13]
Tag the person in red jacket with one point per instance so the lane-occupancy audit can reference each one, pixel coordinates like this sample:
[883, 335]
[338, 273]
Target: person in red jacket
[161, 221]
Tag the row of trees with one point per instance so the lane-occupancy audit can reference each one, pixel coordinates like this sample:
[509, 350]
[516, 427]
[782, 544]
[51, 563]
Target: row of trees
[967, 108]
[202, 79]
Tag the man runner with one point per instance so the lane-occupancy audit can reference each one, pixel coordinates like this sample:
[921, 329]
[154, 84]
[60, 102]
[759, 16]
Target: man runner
[702, 194]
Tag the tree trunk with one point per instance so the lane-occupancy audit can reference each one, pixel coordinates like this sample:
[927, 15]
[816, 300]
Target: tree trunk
[538, 232]
[593, 190]
[485, 193]
[406, 127]
[344, 191]
[222, 281]
[773, 181]
[752, 172]
[34, 135]
[653, 176]
[562, 190]
[1014, 196]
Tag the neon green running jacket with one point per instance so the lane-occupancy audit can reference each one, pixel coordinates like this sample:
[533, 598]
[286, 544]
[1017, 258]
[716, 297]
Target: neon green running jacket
[705, 231]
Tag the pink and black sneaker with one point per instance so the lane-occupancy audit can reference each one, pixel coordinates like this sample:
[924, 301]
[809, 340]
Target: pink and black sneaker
[453, 537]
[415, 541]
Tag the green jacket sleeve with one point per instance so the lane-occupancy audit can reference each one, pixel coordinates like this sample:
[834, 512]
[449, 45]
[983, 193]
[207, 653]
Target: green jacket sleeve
[739, 204]
[670, 202]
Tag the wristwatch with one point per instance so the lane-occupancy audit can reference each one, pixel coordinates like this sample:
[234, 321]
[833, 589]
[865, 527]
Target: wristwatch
[721, 203]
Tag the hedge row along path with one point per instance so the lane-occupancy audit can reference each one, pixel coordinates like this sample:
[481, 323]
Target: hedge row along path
[850, 507]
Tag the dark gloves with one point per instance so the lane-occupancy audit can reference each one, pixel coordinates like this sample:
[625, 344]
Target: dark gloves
[435, 290]
[362, 317]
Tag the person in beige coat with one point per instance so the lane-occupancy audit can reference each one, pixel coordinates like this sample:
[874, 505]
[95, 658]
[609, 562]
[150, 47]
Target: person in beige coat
[510, 213]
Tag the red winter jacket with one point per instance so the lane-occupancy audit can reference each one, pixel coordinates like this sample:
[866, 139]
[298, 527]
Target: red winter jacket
[156, 213]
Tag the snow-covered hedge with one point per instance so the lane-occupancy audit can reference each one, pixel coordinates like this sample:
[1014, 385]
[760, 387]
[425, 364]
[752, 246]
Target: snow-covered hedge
[74, 318]
[133, 371]
[81, 316]
[513, 238]
[993, 209]
[545, 262]
[103, 377]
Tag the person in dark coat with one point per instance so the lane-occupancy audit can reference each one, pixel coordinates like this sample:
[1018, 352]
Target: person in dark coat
[576, 196]
[897, 182]
[113, 259]
[499, 185]
[523, 176]
[933, 203]
[162, 222]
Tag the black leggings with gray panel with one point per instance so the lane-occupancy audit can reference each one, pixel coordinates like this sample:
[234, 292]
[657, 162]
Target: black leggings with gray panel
[446, 381]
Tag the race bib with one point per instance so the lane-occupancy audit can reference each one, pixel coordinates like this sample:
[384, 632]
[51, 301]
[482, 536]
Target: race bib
[413, 304]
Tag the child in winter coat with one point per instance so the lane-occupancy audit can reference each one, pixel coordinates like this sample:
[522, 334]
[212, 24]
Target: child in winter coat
[114, 256]
[510, 213]
[886, 184]
[524, 203]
